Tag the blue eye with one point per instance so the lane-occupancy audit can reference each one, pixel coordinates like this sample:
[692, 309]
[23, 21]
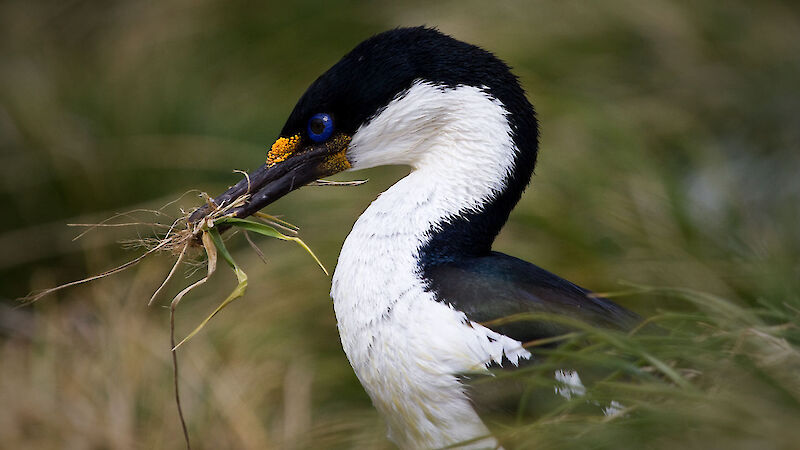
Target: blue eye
[320, 127]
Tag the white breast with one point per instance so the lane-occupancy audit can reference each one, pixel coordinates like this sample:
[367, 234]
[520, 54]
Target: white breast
[405, 347]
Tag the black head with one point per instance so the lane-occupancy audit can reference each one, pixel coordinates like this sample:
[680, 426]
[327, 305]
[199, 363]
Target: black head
[314, 141]
[384, 66]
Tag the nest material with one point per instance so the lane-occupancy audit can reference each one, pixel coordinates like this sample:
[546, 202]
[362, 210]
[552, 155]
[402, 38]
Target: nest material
[180, 237]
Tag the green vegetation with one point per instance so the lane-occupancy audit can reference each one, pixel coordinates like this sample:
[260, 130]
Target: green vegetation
[668, 172]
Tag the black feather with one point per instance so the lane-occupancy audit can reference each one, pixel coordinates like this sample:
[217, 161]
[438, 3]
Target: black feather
[498, 286]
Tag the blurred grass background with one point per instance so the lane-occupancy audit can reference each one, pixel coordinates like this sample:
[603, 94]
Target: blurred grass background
[670, 156]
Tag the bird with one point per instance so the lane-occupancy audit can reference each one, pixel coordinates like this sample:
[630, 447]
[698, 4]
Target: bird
[417, 285]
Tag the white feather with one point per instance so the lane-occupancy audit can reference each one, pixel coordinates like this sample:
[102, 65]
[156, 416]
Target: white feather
[569, 384]
[405, 347]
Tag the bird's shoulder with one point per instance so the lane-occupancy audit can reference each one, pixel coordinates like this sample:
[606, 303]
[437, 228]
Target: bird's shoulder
[497, 286]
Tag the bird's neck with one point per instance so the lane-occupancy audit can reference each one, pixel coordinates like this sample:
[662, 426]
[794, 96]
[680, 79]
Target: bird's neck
[472, 151]
[451, 205]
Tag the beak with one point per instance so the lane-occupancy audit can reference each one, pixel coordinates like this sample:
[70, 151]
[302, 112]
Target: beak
[290, 165]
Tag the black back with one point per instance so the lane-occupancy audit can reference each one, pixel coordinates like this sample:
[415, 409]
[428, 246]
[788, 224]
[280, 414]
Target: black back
[499, 286]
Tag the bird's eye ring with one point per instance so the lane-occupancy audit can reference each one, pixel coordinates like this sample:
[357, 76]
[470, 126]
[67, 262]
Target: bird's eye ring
[320, 127]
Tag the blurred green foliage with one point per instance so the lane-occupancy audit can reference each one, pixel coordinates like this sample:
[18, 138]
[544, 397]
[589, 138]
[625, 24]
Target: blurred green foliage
[669, 157]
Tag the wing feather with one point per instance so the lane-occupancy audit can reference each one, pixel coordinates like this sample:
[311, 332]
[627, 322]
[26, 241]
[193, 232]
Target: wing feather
[499, 286]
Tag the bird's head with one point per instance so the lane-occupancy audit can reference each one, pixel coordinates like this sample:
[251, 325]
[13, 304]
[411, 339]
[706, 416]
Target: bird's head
[394, 100]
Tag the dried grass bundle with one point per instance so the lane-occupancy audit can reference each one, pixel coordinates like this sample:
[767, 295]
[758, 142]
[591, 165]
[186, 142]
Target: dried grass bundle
[180, 238]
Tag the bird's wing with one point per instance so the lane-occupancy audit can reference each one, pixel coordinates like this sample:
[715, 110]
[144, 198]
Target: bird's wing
[497, 286]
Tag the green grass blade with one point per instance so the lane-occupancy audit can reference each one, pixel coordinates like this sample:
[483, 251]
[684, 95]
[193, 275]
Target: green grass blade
[256, 227]
[222, 250]
[308, 249]
[237, 292]
[270, 218]
[266, 230]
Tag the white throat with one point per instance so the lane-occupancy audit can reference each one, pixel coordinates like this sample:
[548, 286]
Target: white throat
[405, 346]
